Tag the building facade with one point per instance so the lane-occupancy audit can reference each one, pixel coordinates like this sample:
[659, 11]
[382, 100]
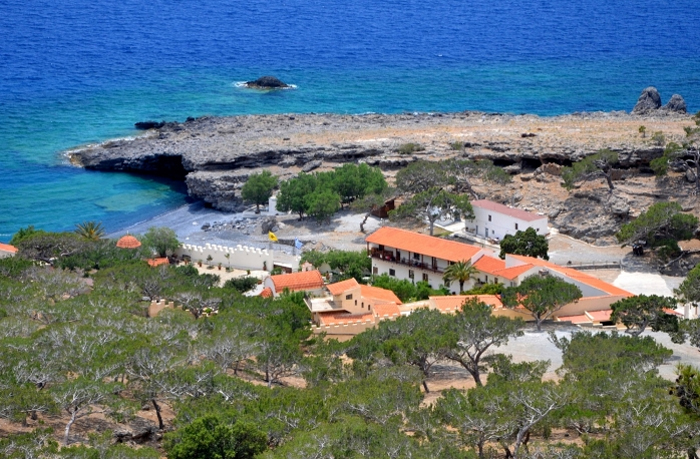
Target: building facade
[493, 220]
[418, 257]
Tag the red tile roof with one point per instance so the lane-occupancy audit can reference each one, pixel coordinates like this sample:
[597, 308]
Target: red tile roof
[386, 310]
[128, 242]
[343, 318]
[576, 275]
[157, 261]
[266, 293]
[489, 265]
[423, 244]
[381, 294]
[600, 316]
[453, 303]
[513, 272]
[338, 288]
[303, 280]
[505, 210]
[8, 248]
[580, 319]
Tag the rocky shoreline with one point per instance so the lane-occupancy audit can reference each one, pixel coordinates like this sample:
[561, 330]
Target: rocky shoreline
[215, 155]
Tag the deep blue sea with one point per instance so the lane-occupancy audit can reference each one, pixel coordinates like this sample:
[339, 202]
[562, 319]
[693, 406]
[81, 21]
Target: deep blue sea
[74, 72]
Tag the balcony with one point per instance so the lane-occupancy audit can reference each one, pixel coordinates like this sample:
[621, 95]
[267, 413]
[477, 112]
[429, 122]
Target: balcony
[391, 258]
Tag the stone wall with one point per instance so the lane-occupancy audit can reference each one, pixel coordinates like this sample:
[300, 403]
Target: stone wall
[239, 257]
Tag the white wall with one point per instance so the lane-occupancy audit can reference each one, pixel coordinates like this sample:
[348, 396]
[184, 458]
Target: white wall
[240, 257]
[501, 224]
[401, 272]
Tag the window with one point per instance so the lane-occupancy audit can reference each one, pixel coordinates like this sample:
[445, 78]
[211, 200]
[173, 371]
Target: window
[355, 302]
[512, 284]
[392, 272]
[375, 270]
[416, 256]
[348, 297]
[516, 226]
[487, 279]
[425, 277]
[411, 274]
[489, 218]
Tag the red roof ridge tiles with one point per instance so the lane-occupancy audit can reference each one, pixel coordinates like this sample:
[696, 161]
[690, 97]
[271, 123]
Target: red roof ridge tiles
[302, 280]
[266, 293]
[337, 288]
[503, 209]
[423, 244]
[153, 262]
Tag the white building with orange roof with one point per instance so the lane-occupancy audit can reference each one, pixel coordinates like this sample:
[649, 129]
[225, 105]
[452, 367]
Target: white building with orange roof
[493, 220]
[7, 250]
[350, 307]
[307, 281]
[418, 257]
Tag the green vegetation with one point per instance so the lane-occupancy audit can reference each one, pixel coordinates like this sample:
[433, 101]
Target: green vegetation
[241, 284]
[684, 157]
[541, 296]
[527, 243]
[643, 131]
[658, 138]
[599, 164]
[406, 290]
[408, 148]
[72, 350]
[457, 145]
[641, 311]
[661, 226]
[92, 231]
[432, 205]
[322, 194]
[343, 264]
[258, 188]
[161, 241]
[461, 272]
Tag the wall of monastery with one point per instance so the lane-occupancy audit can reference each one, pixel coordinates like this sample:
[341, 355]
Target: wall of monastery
[239, 257]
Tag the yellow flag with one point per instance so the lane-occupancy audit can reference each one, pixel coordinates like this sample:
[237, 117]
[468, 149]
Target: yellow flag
[272, 236]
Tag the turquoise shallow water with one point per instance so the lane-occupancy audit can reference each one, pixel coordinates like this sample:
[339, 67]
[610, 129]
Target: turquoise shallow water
[77, 72]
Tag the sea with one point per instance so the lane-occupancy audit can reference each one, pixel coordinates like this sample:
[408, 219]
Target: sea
[78, 72]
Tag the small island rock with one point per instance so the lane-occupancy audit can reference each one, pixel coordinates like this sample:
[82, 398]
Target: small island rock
[267, 82]
[145, 125]
[676, 104]
[648, 101]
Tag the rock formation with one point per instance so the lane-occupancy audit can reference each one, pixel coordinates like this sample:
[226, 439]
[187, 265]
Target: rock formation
[676, 104]
[648, 101]
[266, 82]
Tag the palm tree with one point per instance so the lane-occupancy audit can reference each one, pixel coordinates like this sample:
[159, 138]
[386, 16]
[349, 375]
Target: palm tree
[461, 271]
[93, 231]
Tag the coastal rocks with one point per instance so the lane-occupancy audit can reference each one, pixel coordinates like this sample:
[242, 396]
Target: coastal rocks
[648, 101]
[311, 165]
[676, 104]
[266, 82]
[145, 125]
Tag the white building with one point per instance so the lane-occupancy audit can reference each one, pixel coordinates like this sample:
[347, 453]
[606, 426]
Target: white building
[494, 221]
[7, 250]
[418, 257]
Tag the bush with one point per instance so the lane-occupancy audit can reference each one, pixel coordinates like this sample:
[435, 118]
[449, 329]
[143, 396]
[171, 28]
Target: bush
[242, 284]
[408, 148]
[658, 138]
[458, 145]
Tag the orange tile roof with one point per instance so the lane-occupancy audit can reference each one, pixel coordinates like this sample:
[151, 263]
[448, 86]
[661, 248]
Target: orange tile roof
[128, 242]
[576, 275]
[423, 244]
[376, 293]
[338, 288]
[266, 293]
[386, 310]
[157, 261]
[343, 318]
[489, 265]
[600, 316]
[303, 280]
[453, 303]
[505, 210]
[513, 272]
[580, 319]
[8, 248]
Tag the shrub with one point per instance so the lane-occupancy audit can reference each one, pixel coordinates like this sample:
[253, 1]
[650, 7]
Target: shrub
[457, 145]
[658, 138]
[408, 148]
[242, 284]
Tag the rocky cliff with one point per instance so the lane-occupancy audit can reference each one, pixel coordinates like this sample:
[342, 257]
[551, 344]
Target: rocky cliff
[215, 155]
